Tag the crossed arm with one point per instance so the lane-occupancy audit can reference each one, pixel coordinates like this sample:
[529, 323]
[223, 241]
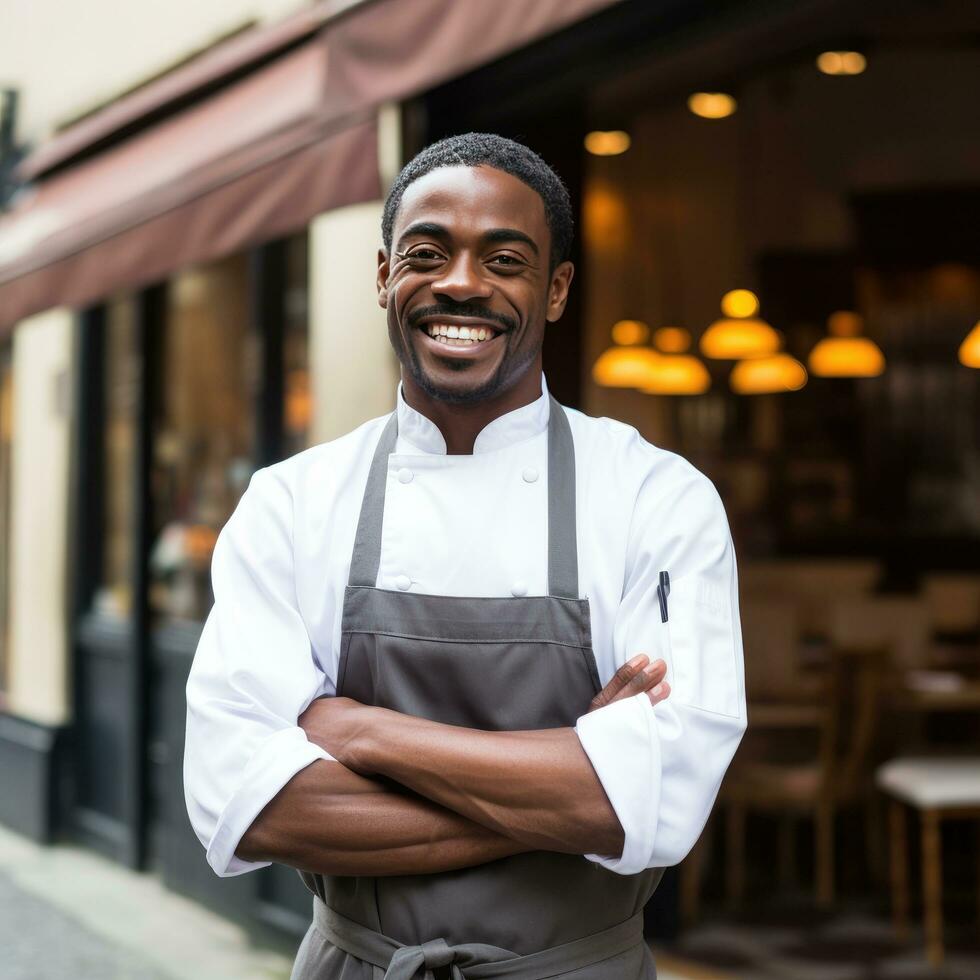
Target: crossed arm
[410, 796]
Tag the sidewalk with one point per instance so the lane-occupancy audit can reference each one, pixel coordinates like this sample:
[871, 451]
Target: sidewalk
[69, 914]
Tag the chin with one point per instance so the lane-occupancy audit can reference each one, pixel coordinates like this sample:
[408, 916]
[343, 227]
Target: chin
[457, 389]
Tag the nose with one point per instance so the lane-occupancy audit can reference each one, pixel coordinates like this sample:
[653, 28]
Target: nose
[463, 279]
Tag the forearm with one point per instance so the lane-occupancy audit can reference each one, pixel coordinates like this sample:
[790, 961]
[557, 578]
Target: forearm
[329, 820]
[536, 787]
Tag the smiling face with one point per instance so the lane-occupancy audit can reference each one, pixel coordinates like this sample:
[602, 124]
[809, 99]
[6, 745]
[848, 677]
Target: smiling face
[468, 286]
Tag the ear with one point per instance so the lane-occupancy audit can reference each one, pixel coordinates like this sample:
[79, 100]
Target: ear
[561, 280]
[382, 280]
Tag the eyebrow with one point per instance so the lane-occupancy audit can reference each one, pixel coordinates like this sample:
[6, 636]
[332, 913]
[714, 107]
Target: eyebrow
[491, 236]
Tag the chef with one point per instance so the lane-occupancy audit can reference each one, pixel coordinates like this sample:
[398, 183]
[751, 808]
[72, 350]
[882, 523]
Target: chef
[433, 679]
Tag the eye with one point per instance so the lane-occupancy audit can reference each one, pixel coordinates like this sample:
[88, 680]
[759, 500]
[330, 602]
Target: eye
[508, 261]
[422, 255]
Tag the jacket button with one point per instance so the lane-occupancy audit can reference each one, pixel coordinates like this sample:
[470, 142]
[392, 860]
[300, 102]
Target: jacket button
[518, 589]
[403, 582]
[405, 475]
[530, 474]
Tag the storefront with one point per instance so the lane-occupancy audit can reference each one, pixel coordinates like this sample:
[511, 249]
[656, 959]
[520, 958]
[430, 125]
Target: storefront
[182, 271]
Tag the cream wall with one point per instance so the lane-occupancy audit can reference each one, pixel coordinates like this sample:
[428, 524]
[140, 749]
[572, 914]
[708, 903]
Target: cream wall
[67, 58]
[354, 370]
[38, 668]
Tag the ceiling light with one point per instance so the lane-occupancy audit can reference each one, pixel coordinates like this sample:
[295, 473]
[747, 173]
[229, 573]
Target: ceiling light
[767, 375]
[630, 332]
[607, 142]
[846, 354]
[739, 334]
[712, 105]
[969, 353]
[842, 62]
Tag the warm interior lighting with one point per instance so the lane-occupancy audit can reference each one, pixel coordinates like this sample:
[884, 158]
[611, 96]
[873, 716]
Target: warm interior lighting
[607, 142]
[625, 367]
[630, 332]
[712, 105]
[846, 354]
[739, 334]
[678, 374]
[768, 375]
[672, 340]
[842, 62]
[740, 302]
[969, 353]
[675, 372]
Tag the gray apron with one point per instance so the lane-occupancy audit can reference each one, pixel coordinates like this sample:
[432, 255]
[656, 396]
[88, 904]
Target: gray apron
[508, 664]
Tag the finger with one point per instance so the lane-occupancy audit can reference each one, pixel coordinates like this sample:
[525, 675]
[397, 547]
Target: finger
[659, 693]
[643, 681]
[623, 677]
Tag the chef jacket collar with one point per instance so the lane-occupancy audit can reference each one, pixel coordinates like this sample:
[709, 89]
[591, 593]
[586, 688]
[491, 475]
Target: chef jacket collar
[506, 430]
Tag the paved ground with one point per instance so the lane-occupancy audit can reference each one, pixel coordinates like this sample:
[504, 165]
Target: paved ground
[68, 914]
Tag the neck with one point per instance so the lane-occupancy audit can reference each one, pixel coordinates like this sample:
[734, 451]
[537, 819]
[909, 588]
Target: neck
[461, 424]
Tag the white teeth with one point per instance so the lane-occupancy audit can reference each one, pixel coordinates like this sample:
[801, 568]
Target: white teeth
[455, 336]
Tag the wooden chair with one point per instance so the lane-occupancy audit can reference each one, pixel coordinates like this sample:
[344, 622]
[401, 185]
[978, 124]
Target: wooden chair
[899, 624]
[771, 641]
[837, 776]
[811, 583]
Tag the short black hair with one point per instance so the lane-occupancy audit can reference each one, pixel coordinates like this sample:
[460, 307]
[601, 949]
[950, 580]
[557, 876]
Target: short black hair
[490, 150]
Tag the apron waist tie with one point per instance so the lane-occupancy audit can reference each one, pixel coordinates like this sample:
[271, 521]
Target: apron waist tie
[471, 961]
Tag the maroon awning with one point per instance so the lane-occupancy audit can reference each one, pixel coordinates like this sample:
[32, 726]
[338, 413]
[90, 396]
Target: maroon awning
[118, 206]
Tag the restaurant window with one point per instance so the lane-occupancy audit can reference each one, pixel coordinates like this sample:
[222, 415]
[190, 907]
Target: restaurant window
[204, 432]
[113, 597]
[223, 348]
[6, 445]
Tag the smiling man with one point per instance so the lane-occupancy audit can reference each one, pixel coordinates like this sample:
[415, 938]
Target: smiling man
[399, 690]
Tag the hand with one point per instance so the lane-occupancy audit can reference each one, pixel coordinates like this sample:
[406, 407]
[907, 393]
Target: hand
[634, 677]
[335, 725]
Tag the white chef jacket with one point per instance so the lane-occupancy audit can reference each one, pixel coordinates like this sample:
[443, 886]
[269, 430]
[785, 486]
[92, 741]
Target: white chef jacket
[474, 526]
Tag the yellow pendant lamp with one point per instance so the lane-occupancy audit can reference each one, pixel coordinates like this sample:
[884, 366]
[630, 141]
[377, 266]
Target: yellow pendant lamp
[969, 352]
[846, 354]
[627, 364]
[740, 333]
[676, 372]
[767, 375]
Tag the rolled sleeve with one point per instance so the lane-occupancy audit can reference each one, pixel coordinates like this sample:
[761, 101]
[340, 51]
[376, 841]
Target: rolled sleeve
[661, 766]
[253, 674]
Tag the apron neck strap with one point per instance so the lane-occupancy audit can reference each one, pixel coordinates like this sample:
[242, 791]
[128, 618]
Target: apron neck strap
[562, 539]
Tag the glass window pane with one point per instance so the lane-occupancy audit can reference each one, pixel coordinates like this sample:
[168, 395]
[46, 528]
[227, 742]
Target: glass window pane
[114, 593]
[205, 430]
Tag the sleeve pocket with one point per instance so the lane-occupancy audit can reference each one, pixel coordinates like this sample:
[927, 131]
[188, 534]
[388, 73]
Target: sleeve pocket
[702, 647]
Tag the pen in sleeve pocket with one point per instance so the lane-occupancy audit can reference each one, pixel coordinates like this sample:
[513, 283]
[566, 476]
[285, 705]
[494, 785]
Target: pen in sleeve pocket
[663, 590]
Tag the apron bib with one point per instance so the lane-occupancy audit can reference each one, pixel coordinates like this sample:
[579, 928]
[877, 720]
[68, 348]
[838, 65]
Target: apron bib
[507, 664]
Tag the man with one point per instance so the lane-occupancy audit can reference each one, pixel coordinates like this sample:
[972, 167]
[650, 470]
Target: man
[398, 690]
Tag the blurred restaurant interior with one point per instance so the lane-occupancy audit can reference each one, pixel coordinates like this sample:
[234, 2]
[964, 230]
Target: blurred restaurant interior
[778, 277]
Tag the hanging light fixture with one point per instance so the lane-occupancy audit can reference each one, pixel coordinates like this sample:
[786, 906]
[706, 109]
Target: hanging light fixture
[846, 354]
[676, 372]
[841, 62]
[607, 142]
[739, 334]
[628, 363]
[767, 375]
[969, 352]
[712, 105]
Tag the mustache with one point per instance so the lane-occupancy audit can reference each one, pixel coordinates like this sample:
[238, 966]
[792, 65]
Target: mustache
[461, 309]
